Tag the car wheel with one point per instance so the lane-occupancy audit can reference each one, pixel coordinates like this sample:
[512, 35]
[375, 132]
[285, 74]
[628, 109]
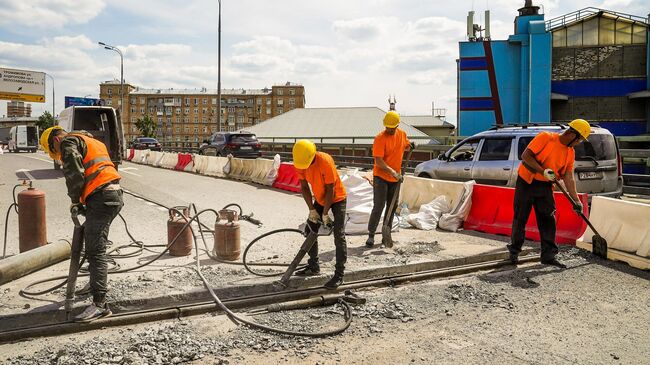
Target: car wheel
[425, 175]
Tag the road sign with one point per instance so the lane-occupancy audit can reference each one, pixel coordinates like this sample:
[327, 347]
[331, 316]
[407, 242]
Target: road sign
[76, 101]
[22, 85]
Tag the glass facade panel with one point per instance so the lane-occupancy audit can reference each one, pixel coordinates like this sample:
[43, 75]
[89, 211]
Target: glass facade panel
[607, 28]
[590, 32]
[559, 38]
[639, 34]
[574, 35]
[623, 32]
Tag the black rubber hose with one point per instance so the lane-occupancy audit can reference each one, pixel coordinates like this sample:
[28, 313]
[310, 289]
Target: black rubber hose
[4, 250]
[247, 265]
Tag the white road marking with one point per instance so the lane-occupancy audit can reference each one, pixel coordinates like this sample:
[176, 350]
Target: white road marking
[26, 172]
[128, 172]
[128, 168]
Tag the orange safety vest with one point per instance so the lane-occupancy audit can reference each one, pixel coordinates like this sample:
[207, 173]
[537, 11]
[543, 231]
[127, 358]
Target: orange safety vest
[99, 170]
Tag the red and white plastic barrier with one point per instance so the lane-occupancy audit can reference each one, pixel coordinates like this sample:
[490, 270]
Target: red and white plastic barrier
[185, 162]
[287, 178]
[492, 212]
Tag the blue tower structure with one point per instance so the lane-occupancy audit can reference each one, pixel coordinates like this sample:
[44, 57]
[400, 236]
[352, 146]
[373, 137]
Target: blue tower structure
[506, 82]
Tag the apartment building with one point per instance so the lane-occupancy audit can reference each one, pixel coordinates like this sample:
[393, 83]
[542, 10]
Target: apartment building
[18, 109]
[185, 117]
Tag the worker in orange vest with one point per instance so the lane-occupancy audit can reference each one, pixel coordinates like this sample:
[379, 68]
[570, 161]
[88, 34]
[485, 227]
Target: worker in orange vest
[548, 157]
[93, 187]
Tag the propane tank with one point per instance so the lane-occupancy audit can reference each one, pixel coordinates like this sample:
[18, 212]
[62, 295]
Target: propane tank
[227, 239]
[32, 230]
[178, 217]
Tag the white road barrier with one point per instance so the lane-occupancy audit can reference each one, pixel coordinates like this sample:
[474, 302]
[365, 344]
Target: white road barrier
[241, 169]
[140, 156]
[625, 225]
[215, 165]
[169, 160]
[261, 170]
[154, 158]
[416, 191]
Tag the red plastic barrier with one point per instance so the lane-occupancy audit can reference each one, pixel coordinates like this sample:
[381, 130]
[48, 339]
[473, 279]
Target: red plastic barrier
[131, 154]
[287, 178]
[492, 212]
[184, 159]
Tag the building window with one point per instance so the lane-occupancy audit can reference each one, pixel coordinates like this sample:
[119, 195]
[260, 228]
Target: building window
[133, 101]
[143, 101]
[142, 110]
[196, 130]
[214, 111]
[187, 101]
[205, 100]
[214, 101]
[259, 101]
[109, 91]
[292, 102]
[187, 129]
[109, 102]
[268, 101]
[159, 120]
[187, 110]
[178, 110]
[280, 92]
[196, 119]
[240, 119]
[231, 109]
[204, 119]
[178, 129]
[134, 119]
[231, 120]
[280, 110]
[196, 101]
[205, 129]
[133, 109]
[205, 110]
[292, 92]
[268, 111]
[280, 102]
[134, 129]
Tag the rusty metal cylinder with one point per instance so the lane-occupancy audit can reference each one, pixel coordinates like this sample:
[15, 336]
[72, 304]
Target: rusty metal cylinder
[32, 230]
[178, 217]
[227, 236]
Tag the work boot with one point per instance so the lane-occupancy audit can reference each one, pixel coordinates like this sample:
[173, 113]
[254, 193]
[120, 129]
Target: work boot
[370, 241]
[514, 259]
[308, 271]
[93, 312]
[334, 282]
[554, 262]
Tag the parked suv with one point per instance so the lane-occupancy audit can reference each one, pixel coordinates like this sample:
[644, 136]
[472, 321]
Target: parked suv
[493, 157]
[240, 144]
[143, 143]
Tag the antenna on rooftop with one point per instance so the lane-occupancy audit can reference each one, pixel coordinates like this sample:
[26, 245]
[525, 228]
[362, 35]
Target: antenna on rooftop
[474, 31]
[391, 104]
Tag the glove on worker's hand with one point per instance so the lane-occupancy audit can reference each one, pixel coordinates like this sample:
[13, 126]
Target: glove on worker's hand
[578, 207]
[549, 175]
[398, 176]
[77, 209]
[313, 216]
[327, 221]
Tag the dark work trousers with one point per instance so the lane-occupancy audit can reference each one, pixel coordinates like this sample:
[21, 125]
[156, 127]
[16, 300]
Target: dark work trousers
[102, 207]
[382, 195]
[338, 210]
[538, 195]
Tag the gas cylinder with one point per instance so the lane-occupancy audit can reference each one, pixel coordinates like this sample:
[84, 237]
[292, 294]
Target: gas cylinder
[178, 217]
[227, 240]
[32, 230]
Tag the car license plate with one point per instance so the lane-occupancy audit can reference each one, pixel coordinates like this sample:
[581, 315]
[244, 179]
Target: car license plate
[590, 175]
[246, 147]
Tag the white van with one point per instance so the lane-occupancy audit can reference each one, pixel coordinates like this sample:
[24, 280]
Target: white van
[23, 138]
[100, 121]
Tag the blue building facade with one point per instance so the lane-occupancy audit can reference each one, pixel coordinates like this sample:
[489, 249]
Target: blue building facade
[590, 64]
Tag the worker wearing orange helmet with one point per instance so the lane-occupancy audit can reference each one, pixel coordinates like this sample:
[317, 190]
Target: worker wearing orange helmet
[549, 157]
[93, 186]
[388, 151]
[317, 169]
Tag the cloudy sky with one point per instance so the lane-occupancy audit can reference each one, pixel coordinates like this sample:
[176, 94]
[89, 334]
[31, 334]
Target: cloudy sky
[345, 52]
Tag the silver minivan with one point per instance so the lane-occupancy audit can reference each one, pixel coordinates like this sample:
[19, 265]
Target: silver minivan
[23, 138]
[493, 157]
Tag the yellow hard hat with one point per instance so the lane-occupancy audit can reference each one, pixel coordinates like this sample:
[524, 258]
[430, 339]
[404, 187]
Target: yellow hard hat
[303, 153]
[391, 119]
[45, 142]
[582, 127]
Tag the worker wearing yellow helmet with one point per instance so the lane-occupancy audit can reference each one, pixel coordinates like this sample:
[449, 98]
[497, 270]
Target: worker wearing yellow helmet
[93, 187]
[549, 157]
[327, 193]
[388, 152]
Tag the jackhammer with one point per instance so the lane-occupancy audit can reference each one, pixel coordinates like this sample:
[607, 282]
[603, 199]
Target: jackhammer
[311, 237]
[75, 256]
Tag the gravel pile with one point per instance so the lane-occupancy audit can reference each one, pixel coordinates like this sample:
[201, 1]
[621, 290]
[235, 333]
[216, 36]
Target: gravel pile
[468, 293]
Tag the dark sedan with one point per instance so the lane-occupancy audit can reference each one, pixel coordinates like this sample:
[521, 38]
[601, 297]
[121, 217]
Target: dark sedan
[144, 143]
[241, 144]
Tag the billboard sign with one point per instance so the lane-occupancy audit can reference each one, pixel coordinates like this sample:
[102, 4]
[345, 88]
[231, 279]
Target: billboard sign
[22, 85]
[78, 101]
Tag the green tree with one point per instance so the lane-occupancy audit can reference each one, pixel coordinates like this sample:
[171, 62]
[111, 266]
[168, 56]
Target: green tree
[45, 121]
[146, 126]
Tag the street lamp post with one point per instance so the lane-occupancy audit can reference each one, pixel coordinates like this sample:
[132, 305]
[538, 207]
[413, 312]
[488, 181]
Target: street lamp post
[113, 48]
[219, 71]
[52, 77]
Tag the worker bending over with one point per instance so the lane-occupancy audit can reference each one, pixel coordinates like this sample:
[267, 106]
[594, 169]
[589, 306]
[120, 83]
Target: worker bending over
[93, 187]
[317, 169]
[388, 151]
[548, 157]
